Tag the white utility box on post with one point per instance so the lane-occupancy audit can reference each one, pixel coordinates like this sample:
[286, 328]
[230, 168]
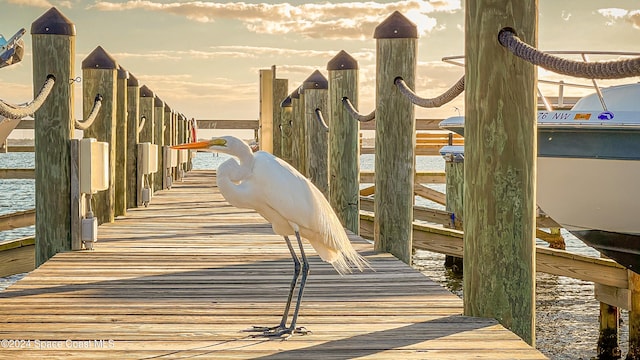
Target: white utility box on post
[149, 160]
[148, 164]
[183, 156]
[94, 166]
[94, 177]
[173, 155]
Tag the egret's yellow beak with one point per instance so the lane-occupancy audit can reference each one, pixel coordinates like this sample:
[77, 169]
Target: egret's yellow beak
[201, 144]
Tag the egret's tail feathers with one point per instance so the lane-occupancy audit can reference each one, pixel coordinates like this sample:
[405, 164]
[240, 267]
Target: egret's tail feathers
[331, 242]
[346, 262]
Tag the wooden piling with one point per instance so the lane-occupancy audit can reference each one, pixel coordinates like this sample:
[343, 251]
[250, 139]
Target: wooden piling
[280, 92]
[454, 169]
[266, 110]
[99, 73]
[158, 139]
[133, 120]
[53, 41]
[500, 167]
[608, 339]
[120, 185]
[167, 141]
[634, 317]
[147, 133]
[317, 137]
[344, 149]
[286, 113]
[297, 149]
[396, 47]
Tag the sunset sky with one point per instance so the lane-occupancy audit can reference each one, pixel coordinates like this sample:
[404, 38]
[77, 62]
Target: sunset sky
[203, 57]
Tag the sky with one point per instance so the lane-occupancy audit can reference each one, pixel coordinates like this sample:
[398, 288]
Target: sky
[203, 57]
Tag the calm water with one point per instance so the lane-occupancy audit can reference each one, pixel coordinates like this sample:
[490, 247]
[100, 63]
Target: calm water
[567, 313]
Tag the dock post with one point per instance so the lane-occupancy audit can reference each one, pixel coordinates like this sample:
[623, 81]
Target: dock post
[608, 339]
[158, 139]
[301, 134]
[147, 133]
[133, 120]
[266, 112]
[396, 47]
[500, 168]
[634, 317]
[297, 151]
[317, 138]
[280, 91]
[167, 141]
[121, 143]
[54, 47]
[286, 113]
[454, 170]
[175, 139]
[344, 149]
[99, 73]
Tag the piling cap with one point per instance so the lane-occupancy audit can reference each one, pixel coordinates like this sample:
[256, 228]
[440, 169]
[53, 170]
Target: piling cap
[54, 23]
[167, 108]
[295, 94]
[286, 102]
[133, 81]
[122, 73]
[396, 26]
[145, 91]
[157, 102]
[342, 61]
[99, 59]
[316, 81]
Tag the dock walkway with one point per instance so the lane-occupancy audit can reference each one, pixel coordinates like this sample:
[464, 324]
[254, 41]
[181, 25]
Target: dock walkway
[184, 277]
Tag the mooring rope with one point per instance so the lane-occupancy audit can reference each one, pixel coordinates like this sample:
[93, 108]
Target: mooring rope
[16, 112]
[446, 97]
[84, 125]
[320, 118]
[355, 114]
[616, 69]
[143, 119]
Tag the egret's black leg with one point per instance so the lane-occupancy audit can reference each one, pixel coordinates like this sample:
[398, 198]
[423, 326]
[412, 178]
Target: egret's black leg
[294, 281]
[296, 273]
[303, 281]
[282, 329]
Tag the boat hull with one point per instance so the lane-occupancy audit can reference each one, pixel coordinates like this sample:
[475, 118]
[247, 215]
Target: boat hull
[588, 171]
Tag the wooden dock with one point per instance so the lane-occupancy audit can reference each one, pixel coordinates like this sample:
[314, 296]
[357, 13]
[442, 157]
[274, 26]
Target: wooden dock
[184, 277]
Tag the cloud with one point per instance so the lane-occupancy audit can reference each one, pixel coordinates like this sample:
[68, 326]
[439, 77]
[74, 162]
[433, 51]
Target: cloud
[34, 3]
[351, 20]
[615, 14]
[241, 52]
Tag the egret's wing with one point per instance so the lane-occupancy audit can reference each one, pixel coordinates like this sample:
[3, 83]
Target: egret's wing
[284, 189]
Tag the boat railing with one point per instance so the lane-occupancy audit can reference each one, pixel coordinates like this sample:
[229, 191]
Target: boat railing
[559, 100]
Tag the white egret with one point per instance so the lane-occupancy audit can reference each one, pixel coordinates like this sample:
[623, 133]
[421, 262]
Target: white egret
[293, 206]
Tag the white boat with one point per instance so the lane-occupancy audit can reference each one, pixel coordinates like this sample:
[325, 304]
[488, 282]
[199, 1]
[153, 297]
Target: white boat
[589, 170]
[12, 50]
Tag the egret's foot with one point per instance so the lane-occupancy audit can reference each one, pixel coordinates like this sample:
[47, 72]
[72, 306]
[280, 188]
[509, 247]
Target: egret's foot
[264, 329]
[281, 332]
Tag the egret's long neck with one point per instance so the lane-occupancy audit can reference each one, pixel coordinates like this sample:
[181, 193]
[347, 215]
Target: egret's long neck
[243, 168]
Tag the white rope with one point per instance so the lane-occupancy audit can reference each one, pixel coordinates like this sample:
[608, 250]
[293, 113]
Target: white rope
[16, 112]
[355, 114]
[84, 125]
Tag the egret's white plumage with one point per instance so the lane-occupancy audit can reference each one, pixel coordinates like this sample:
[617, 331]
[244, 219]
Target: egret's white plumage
[285, 198]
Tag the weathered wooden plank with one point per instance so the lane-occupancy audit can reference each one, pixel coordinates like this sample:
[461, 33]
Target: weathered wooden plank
[421, 177]
[17, 256]
[17, 173]
[551, 261]
[17, 219]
